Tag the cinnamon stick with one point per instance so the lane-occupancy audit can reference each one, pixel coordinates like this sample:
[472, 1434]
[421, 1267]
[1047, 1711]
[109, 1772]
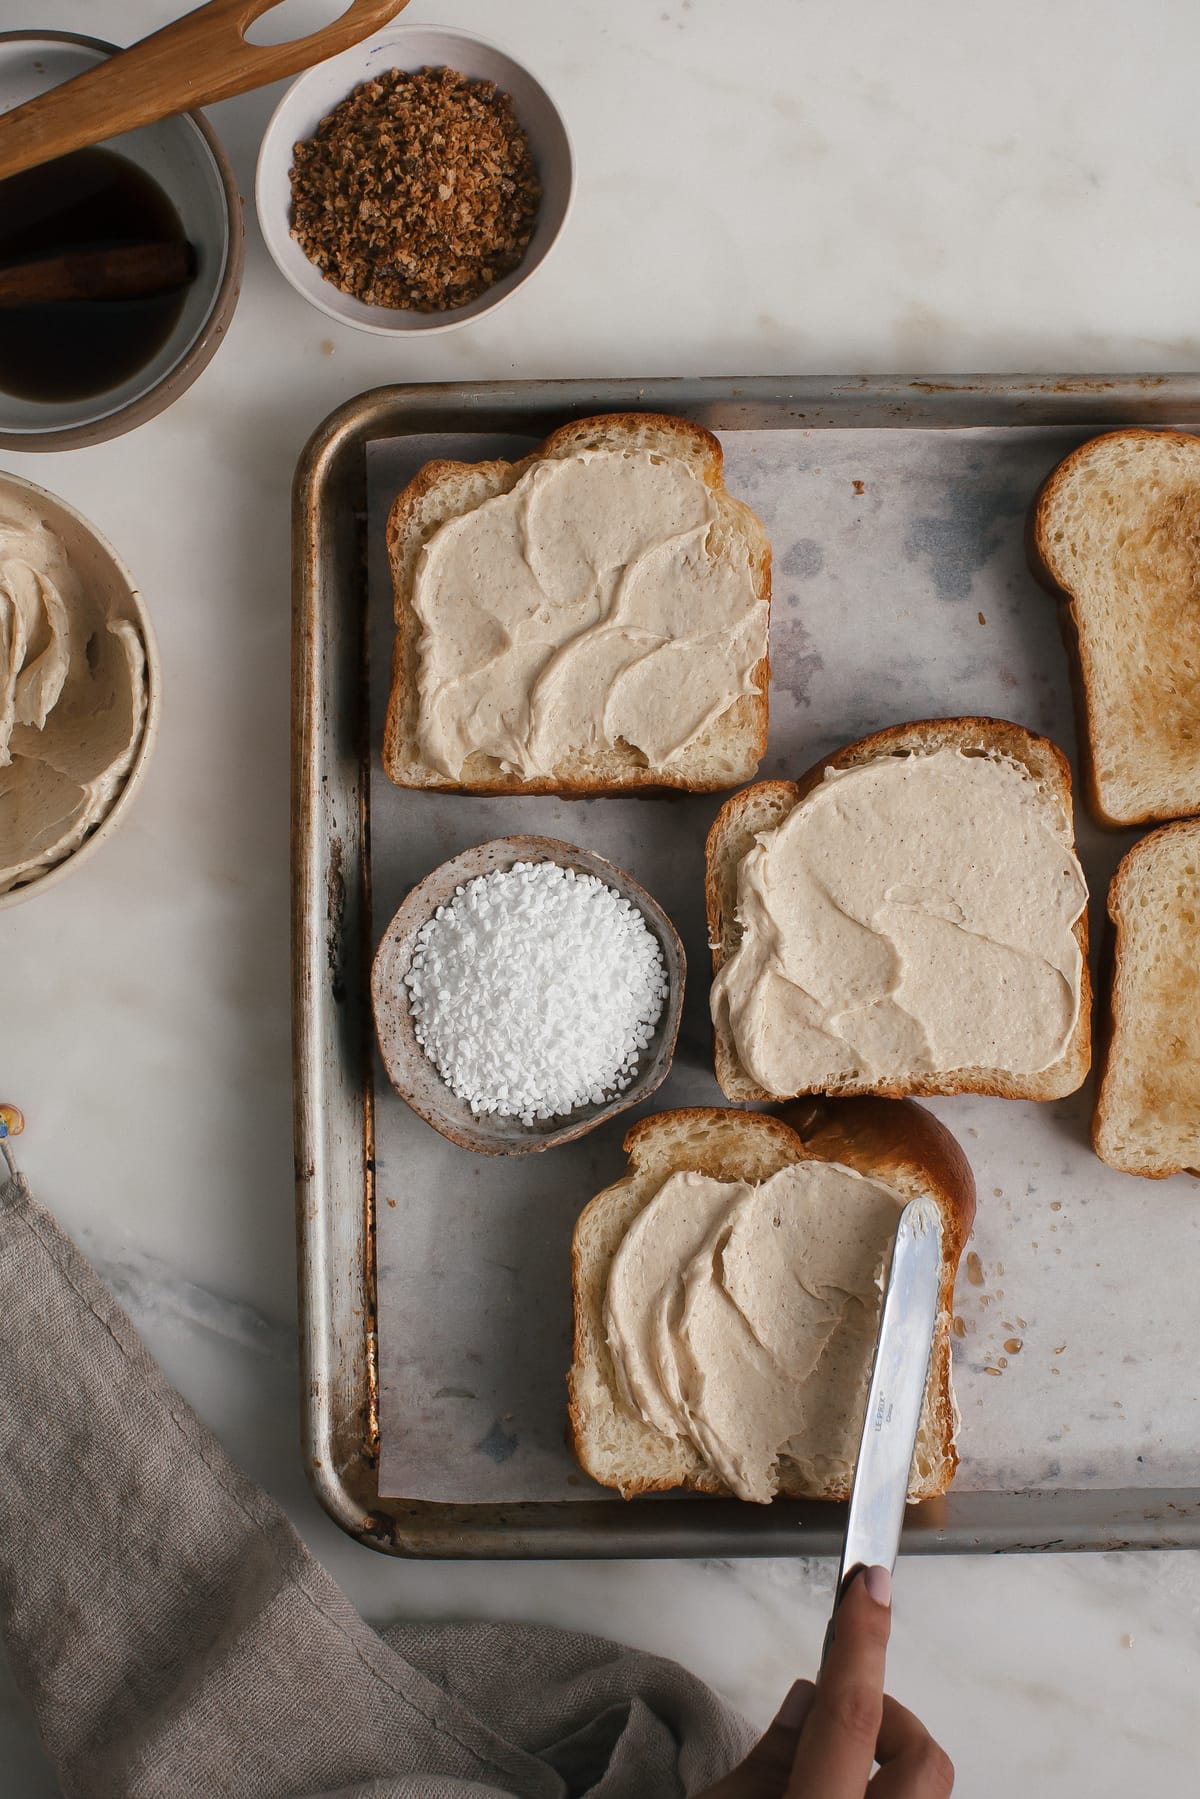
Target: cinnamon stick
[124, 272]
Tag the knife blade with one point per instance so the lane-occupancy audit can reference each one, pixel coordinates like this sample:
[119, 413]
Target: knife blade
[897, 1391]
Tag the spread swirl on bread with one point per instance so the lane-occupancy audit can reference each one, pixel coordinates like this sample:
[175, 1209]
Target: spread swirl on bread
[728, 1294]
[590, 619]
[909, 918]
[724, 1299]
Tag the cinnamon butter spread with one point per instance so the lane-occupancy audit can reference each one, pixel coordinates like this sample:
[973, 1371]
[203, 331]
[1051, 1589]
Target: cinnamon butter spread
[743, 1318]
[911, 916]
[72, 699]
[602, 600]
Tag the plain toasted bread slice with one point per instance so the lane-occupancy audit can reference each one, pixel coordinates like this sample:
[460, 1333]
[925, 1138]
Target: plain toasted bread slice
[723, 754]
[1147, 1116]
[1115, 534]
[894, 1142]
[765, 805]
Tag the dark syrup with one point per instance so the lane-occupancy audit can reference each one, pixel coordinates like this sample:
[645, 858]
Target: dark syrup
[92, 199]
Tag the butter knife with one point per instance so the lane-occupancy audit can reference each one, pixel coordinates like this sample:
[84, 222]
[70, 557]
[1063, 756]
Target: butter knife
[898, 1376]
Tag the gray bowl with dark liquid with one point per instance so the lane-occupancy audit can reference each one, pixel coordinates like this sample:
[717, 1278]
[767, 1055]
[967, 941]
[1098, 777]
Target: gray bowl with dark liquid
[182, 156]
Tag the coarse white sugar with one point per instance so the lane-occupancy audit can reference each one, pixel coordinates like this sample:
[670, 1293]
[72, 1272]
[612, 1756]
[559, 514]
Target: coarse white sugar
[534, 991]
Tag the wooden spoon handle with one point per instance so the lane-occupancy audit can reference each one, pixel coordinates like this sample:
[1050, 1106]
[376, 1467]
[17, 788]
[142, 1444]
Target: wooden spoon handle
[201, 58]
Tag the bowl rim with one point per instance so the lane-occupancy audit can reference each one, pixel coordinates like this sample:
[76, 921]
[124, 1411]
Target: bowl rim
[534, 847]
[450, 321]
[58, 871]
[145, 406]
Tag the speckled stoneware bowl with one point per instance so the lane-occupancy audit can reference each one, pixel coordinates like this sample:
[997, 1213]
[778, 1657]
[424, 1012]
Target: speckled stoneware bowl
[409, 1069]
[315, 94]
[183, 156]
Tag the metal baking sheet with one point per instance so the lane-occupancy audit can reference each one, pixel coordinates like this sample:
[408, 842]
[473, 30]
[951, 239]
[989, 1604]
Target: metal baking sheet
[434, 1283]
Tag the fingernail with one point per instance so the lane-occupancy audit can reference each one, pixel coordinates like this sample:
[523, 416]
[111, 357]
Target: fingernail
[878, 1583]
[796, 1706]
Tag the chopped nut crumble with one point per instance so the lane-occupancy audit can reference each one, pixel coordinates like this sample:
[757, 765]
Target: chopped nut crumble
[417, 192]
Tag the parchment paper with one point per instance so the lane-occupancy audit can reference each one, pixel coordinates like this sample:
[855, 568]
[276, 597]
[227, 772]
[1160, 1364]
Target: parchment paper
[900, 592]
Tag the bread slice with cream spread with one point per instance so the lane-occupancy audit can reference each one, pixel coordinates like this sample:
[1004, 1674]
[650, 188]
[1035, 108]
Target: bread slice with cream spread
[908, 918]
[590, 619]
[1115, 534]
[793, 1218]
[1147, 1116]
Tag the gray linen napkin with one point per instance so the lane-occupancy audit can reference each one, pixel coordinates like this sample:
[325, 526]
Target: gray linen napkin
[175, 1637]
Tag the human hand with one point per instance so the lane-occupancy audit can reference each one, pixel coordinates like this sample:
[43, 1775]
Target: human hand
[826, 1738]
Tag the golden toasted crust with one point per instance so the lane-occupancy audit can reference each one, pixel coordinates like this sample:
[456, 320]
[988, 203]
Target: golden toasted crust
[893, 1141]
[443, 490]
[727, 1146]
[1146, 1119]
[1141, 644]
[765, 805]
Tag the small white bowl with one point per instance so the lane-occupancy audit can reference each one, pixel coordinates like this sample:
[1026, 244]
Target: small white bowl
[314, 96]
[99, 566]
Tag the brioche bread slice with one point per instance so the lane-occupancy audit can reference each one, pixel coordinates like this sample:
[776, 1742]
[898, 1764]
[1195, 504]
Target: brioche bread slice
[726, 752]
[764, 806]
[1115, 534]
[894, 1142]
[1147, 1116]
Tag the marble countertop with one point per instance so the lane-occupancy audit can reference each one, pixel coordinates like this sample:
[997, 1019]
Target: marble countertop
[779, 188]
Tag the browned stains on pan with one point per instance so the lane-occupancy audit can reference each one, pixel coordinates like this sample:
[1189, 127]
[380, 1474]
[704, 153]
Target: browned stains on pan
[335, 912]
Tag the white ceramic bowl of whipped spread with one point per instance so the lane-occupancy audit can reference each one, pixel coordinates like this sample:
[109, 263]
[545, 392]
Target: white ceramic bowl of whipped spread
[79, 690]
